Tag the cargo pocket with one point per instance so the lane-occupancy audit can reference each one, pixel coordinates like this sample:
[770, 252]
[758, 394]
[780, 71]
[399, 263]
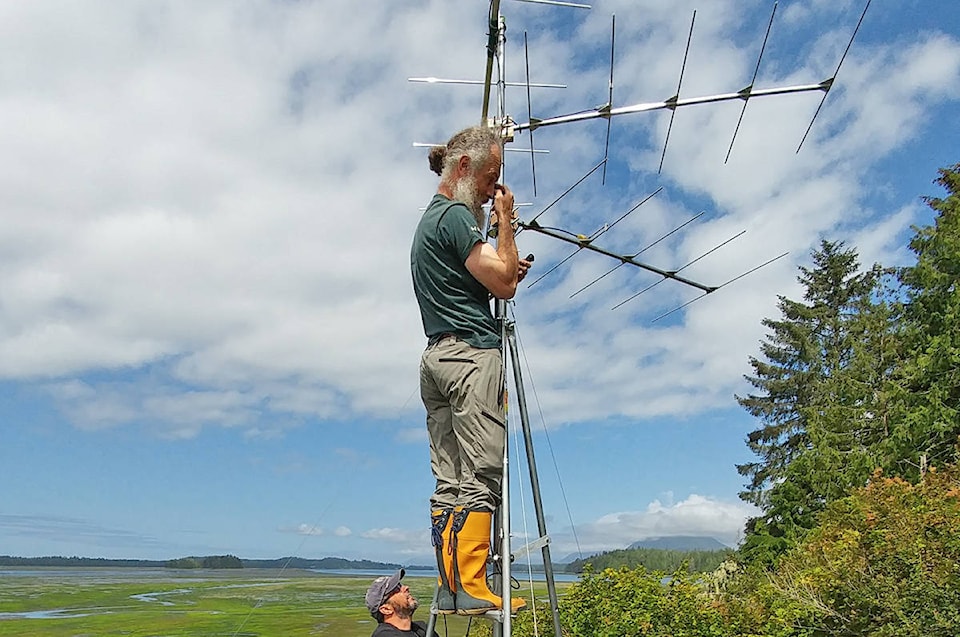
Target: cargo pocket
[467, 373]
[498, 421]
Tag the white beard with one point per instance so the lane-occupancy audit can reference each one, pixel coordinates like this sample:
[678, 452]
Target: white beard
[465, 191]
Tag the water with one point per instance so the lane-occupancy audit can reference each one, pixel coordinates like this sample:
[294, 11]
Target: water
[107, 573]
[517, 573]
[59, 613]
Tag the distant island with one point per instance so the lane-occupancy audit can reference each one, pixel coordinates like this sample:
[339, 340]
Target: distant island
[208, 561]
[696, 553]
[681, 543]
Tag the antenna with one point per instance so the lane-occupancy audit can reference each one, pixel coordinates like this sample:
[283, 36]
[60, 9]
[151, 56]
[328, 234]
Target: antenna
[556, 3]
[637, 254]
[722, 285]
[675, 102]
[493, 34]
[608, 111]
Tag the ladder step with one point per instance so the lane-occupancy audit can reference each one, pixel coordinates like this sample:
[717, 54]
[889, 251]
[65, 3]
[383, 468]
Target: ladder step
[530, 547]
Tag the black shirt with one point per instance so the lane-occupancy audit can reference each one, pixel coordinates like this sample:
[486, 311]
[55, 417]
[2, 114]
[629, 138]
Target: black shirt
[418, 629]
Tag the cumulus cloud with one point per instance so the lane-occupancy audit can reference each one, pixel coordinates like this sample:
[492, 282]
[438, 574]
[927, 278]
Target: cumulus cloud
[697, 515]
[218, 199]
[305, 529]
[397, 536]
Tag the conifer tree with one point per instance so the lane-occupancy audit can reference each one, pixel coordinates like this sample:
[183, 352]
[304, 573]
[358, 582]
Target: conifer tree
[816, 406]
[810, 343]
[927, 431]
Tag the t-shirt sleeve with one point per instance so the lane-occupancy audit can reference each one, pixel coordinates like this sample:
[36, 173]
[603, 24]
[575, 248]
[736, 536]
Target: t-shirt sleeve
[460, 231]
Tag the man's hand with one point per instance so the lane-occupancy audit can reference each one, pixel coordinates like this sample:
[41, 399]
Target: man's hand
[503, 205]
[524, 266]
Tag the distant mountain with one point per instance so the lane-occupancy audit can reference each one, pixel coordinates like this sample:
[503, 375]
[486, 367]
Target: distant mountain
[330, 563]
[680, 543]
[670, 543]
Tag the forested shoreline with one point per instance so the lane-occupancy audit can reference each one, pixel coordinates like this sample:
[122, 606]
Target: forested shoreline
[652, 560]
[207, 561]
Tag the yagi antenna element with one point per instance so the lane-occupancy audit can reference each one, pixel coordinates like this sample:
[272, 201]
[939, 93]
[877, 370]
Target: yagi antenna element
[745, 92]
[834, 77]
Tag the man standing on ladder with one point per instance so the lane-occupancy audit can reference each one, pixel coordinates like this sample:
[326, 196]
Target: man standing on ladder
[455, 271]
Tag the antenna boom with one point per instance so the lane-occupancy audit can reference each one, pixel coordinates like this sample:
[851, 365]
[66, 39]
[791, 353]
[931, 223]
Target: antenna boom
[672, 104]
[585, 244]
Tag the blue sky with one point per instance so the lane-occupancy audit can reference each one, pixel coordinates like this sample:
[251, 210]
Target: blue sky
[208, 338]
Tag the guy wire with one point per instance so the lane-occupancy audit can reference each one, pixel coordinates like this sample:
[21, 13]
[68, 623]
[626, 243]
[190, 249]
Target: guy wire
[282, 569]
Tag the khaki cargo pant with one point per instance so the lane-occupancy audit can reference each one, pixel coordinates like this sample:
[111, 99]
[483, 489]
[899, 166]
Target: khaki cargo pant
[461, 387]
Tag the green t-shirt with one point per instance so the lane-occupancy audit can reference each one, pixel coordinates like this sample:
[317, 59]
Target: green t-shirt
[451, 300]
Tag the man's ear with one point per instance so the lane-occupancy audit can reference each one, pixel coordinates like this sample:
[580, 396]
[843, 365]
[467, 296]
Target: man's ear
[463, 166]
[386, 610]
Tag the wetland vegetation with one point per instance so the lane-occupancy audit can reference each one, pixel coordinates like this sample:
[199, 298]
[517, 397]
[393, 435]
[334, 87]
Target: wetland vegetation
[167, 603]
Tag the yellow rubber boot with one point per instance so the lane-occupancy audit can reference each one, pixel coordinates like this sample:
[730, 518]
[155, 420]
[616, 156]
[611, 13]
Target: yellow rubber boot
[471, 532]
[441, 524]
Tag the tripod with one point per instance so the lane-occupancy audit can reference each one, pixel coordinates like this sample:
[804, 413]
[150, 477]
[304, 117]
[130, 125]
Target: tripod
[501, 545]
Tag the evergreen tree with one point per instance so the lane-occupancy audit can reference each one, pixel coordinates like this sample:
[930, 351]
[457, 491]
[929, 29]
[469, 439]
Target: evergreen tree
[848, 420]
[928, 430]
[817, 406]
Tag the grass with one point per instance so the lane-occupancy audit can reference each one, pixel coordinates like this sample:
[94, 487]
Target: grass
[166, 603]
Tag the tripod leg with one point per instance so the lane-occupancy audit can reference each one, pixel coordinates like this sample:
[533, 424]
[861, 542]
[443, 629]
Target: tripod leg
[534, 479]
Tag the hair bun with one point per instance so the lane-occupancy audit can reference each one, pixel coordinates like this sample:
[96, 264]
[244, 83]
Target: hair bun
[437, 154]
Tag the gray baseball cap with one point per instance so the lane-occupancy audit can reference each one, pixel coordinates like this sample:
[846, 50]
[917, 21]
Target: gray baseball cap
[380, 589]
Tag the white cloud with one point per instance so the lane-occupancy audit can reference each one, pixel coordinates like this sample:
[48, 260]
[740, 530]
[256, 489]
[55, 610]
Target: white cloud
[404, 537]
[213, 203]
[309, 529]
[696, 515]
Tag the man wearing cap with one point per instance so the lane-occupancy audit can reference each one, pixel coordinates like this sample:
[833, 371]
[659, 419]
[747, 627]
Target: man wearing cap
[455, 272]
[392, 605]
